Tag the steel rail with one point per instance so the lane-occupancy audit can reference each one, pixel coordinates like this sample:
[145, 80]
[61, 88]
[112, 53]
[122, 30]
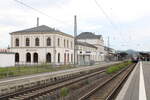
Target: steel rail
[53, 87]
[90, 93]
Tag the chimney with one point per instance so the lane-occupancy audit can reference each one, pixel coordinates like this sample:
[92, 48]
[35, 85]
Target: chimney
[37, 21]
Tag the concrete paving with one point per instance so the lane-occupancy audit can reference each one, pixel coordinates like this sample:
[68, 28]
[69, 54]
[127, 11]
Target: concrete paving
[136, 87]
[146, 72]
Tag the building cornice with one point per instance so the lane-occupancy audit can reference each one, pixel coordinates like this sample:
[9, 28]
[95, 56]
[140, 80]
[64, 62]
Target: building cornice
[38, 48]
[41, 33]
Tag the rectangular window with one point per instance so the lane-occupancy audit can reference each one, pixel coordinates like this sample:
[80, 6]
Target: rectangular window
[67, 44]
[58, 42]
[37, 42]
[17, 42]
[48, 41]
[64, 43]
[72, 58]
[71, 45]
[27, 42]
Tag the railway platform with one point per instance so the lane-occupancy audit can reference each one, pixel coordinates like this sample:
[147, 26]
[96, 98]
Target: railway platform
[137, 86]
[102, 64]
[17, 83]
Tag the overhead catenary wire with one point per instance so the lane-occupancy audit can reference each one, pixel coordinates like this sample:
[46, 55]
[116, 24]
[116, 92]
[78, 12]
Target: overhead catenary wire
[39, 11]
[71, 11]
[109, 19]
[105, 14]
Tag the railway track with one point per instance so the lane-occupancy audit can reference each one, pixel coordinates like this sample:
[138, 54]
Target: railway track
[108, 89]
[38, 91]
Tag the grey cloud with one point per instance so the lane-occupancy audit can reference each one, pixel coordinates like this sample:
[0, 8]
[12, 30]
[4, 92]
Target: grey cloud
[11, 22]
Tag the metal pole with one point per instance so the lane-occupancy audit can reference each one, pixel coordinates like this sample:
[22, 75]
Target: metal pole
[75, 40]
[108, 49]
[54, 46]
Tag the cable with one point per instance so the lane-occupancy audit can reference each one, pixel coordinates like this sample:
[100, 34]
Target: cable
[109, 19]
[22, 3]
[70, 10]
[106, 15]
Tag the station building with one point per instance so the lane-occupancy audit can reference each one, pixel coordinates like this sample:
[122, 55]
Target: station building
[43, 44]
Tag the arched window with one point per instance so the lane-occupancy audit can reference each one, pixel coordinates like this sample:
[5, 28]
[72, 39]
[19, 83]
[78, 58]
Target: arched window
[35, 58]
[17, 57]
[58, 57]
[17, 42]
[28, 57]
[48, 58]
[37, 42]
[48, 41]
[27, 42]
[58, 41]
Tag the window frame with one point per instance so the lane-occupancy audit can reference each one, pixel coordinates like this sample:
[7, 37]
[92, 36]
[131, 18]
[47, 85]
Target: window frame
[17, 42]
[48, 41]
[37, 41]
[27, 42]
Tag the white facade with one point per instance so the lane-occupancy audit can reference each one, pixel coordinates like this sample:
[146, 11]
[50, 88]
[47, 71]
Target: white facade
[97, 41]
[86, 53]
[7, 59]
[58, 51]
[43, 44]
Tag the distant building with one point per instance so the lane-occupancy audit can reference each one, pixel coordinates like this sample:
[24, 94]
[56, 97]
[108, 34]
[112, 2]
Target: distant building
[86, 53]
[111, 54]
[110, 50]
[7, 58]
[95, 40]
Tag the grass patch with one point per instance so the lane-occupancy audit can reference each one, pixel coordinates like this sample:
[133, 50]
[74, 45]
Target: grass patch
[28, 70]
[115, 68]
[64, 91]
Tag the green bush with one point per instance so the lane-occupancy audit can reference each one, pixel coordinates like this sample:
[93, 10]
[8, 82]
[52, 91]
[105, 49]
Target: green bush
[64, 91]
[27, 70]
[117, 67]
[3, 74]
[11, 73]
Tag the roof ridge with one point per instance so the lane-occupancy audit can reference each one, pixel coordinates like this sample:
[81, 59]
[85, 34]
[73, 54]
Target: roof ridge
[88, 35]
[41, 28]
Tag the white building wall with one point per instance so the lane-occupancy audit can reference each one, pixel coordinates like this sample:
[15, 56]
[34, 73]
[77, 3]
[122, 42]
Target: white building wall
[54, 49]
[90, 41]
[86, 54]
[100, 52]
[43, 49]
[7, 59]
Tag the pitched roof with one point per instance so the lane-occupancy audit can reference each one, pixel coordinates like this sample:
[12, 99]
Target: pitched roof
[85, 44]
[42, 28]
[88, 35]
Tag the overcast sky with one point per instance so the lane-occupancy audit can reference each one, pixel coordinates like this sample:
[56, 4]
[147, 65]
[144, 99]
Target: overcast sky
[127, 24]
